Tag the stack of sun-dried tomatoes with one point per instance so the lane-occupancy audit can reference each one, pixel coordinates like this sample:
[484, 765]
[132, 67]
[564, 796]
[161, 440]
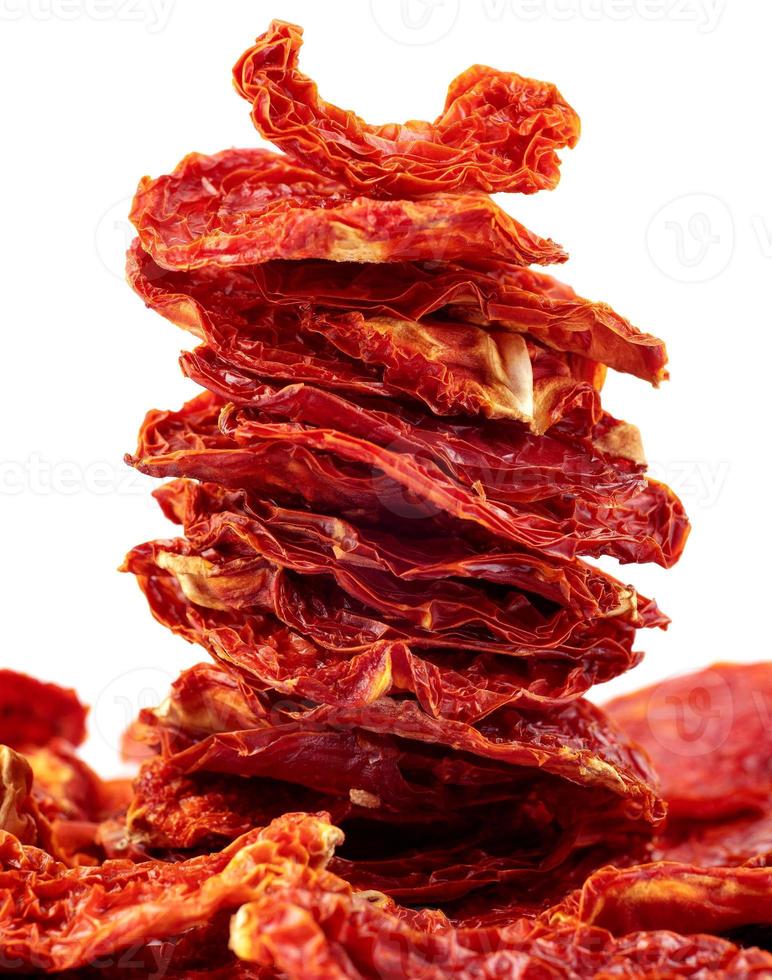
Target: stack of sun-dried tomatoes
[387, 494]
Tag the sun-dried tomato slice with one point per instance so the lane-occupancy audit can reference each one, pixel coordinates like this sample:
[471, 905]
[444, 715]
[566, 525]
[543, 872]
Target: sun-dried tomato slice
[504, 460]
[68, 802]
[377, 480]
[521, 301]
[454, 368]
[18, 814]
[709, 736]
[89, 914]
[79, 808]
[498, 131]
[322, 926]
[34, 713]
[456, 685]
[685, 898]
[650, 526]
[244, 207]
[349, 610]
[485, 375]
[437, 796]
[321, 541]
[454, 682]
[729, 842]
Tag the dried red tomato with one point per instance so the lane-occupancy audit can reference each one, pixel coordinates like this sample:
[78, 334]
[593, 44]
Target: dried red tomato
[33, 712]
[352, 939]
[522, 301]
[332, 469]
[18, 814]
[348, 611]
[505, 460]
[68, 802]
[56, 918]
[77, 805]
[498, 131]
[244, 207]
[729, 842]
[400, 458]
[426, 803]
[674, 896]
[468, 372]
[321, 539]
[456, 684]
[452, 367]
[651, 526]
[709, 736]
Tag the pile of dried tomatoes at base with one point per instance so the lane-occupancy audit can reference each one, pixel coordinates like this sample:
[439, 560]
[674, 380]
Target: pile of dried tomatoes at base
[389, 497]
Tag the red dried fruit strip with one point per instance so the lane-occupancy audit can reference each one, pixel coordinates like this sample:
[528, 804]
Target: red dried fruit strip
[709, 735]
[497, 132]
[232, 562]
[453, 684]
[172, 815]
[75, 803]
[457, 369]
[200, 953]
[650, 526]
[244, 207]
[290, 460]
[572, 741]
[728, 842]
[454, 368]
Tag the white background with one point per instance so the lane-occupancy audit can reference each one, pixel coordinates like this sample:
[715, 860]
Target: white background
[665, 207]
